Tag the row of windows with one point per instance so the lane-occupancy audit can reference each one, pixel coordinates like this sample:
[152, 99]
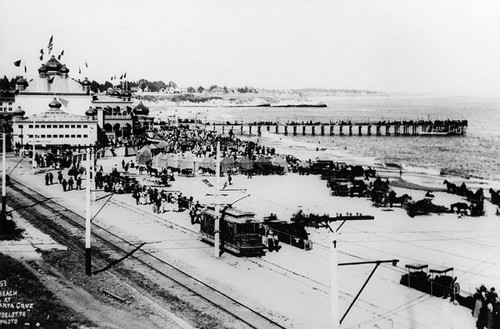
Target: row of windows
[10, 103]
[55, 126]
[59, 136]
[4, 109]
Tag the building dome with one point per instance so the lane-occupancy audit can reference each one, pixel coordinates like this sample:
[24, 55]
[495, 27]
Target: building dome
[86, 82]
[19, 112]
[91, 112]
[53, 64]
[21, 81]
[55, 104]
[141, 109]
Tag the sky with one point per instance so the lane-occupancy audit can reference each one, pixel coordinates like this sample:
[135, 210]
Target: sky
[407, 46]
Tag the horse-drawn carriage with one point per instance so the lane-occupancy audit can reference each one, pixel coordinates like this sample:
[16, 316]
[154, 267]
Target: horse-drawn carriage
[435, 282]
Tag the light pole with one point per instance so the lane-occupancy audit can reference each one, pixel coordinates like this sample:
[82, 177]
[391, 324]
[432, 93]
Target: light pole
[34, 142]
[217, 214]
[4, 173]
[334, 295]
[88, 260]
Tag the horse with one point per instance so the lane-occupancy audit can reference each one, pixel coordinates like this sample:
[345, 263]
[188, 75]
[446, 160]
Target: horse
[152, 171]
[141, 169]
[174, 169]
[401, 200]
[495, 197]
[461, 207]
[370, 172]
[358, 190]
[450, 187]
[462, 190]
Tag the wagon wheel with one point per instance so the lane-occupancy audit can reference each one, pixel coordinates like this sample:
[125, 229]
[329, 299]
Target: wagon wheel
[456, 289]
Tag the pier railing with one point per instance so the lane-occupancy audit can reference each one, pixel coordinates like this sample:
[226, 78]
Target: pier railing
[341, 128]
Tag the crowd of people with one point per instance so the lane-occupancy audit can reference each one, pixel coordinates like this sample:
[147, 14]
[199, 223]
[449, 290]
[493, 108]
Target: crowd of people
[486, 308]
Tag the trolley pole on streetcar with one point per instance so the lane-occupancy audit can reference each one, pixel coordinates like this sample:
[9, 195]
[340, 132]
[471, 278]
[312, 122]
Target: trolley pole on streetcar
[217, 213]
[88, 255]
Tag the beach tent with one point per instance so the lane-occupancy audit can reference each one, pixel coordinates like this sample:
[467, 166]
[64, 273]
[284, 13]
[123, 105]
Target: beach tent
[261, 159]
[187, 162]
[245, 163]
[207, 163]
[155, 160]
[162, 145]
[303, 164]
[143, 157]
[279, 161]
[142, 149]
[227, 164]
[160, 160]
[172, 160]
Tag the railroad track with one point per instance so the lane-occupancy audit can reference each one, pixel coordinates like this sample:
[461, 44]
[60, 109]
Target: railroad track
[25, 200]
[325, 288]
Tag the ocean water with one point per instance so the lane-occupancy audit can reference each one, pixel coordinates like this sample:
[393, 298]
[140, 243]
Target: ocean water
[476, 155]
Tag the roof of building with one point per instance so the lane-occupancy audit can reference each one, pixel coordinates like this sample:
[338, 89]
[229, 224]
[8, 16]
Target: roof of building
[22, 81]
[55, 104]
[54, 78]
[58, 85]
[141, 109]
[56, 114]
[53, 64]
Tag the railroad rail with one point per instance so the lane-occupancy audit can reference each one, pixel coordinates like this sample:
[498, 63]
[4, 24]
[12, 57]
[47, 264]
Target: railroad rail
[27, 201]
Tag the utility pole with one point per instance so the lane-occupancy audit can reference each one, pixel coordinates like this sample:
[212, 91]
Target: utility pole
[88, 259]
[334, 295]
[4, 173]
[34, 142]
[334, 264]
[217, 213]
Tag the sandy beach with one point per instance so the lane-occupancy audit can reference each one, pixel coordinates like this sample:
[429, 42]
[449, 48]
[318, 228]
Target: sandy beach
[292, 286]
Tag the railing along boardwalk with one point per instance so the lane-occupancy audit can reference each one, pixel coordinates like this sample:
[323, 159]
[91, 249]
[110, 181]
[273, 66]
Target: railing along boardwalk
[381, 128]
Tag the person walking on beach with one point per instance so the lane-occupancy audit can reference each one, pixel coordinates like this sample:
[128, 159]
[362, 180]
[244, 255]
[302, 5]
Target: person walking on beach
[51, 178]
[47, 179]
[60, 177]
[64, 183]
[229, 179]
[70, 184]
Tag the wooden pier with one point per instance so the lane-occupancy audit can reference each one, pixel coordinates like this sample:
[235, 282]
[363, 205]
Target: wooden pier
[392, 128]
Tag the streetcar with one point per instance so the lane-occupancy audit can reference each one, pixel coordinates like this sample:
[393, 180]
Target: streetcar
[240, 231]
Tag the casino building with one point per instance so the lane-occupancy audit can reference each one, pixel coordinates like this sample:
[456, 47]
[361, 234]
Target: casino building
[75, 115]
[53, 81]
[54, 127]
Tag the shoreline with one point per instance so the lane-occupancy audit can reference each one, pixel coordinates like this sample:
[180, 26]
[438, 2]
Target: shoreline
[392, 234]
